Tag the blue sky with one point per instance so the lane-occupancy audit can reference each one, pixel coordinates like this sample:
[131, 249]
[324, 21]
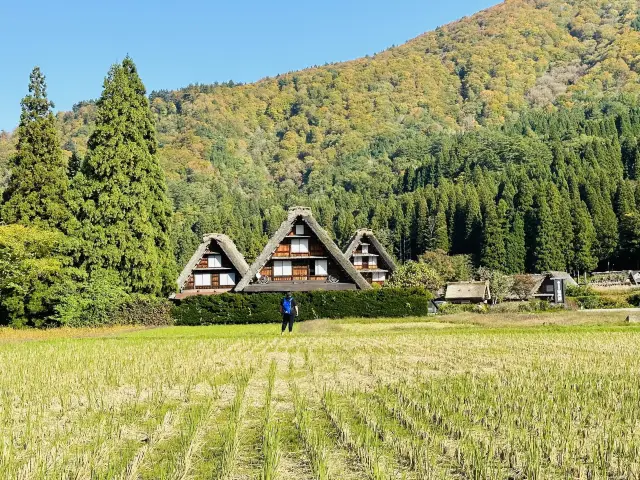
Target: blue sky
[178, 43]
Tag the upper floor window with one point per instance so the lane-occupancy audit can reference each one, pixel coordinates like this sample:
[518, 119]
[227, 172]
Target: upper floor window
[300, 229]
[300, 245]
[214, 261]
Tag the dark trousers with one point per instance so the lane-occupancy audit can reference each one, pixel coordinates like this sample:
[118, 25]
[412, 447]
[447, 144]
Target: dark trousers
[287, 318]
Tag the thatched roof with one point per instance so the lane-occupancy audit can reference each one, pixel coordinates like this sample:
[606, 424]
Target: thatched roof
[568, 280]
[304, 214]
[357, 239]
[467, 291]
[228, 248]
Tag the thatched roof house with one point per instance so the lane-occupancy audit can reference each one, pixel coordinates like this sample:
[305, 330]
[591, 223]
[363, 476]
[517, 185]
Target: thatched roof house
[568, 279]
[467, 292]
[215, 267]
[301, 257]
[369, 257]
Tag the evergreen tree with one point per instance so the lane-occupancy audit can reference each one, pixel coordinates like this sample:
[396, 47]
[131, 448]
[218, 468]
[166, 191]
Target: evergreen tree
[473, 223]
[38, 190]
[125, 214]
[584, 238]
[546, 254]
[515, 248]
[440, 236]
[493, 254]
[630, 238]
[422, 226]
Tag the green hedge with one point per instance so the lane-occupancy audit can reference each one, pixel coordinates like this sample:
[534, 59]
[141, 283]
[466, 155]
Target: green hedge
[264, 307]
[634, 299]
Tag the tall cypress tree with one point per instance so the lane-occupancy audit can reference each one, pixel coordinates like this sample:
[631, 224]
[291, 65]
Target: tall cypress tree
[422, 226]
[547, 254]
[515, 246]
[493, 253]
[125, 214]
[38, 191]
[584, 237]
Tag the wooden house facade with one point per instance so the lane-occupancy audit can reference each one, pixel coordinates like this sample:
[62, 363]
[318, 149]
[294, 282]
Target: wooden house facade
[216, 267]
[301, 257]
[369, 257]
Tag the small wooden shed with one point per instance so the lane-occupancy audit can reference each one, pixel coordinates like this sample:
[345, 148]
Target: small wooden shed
[467, 292]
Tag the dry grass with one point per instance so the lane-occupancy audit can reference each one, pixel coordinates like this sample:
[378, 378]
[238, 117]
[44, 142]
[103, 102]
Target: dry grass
[466, 396]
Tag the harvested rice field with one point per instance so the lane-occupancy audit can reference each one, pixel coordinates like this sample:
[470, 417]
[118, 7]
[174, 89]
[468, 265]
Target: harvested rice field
[535, 398]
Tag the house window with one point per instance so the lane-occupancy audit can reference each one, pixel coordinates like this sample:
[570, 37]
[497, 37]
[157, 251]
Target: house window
[300, 245]
[202, 279]
[365, 249]
[227, 279]
[549, 288]
[282, 268]
[320, 268]
[378, 276]
[373, 260]
[299, 229]
[214, 261]
[357, 260]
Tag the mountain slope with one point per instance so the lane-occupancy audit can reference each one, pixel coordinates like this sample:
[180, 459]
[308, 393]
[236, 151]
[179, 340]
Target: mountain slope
[477, 71]
[333, 135]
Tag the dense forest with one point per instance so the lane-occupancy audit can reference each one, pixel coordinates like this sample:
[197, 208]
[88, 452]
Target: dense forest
[511, 135]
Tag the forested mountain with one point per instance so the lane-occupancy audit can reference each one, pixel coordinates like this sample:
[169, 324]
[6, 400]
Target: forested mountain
[510, 135]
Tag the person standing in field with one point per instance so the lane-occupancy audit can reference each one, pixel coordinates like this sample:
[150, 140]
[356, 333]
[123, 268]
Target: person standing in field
[289, 311]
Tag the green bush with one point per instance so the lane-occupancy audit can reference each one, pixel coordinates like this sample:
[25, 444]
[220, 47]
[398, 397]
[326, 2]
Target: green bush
[103, 300]
[451, 308]
[534, 306]
[596, 301]
[264, 307]
[634, 299]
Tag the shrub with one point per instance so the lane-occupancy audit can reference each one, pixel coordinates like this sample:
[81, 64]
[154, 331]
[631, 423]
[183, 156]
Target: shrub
[595, 301]
[634, 299]
[33, 274]
[103, 300]
[416, 275]
[451, 308]
[522, 286]
[451, 268]
[264, 307]
[534, 306]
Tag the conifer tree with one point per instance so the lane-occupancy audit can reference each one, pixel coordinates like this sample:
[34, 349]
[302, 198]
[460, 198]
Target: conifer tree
[515, 246]
[422, 226]
[440, 237]
[473, 223]
[493, 253]
[125, 214]
[546, 253]
[584, 237]
[38, 191]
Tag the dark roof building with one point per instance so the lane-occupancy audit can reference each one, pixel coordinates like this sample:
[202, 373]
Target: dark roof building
[369, 257]
[301, 257]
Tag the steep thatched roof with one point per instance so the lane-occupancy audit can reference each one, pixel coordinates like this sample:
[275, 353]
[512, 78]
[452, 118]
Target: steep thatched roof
[228, 248]
[356, 240]
[467, 291]
[304, 214]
